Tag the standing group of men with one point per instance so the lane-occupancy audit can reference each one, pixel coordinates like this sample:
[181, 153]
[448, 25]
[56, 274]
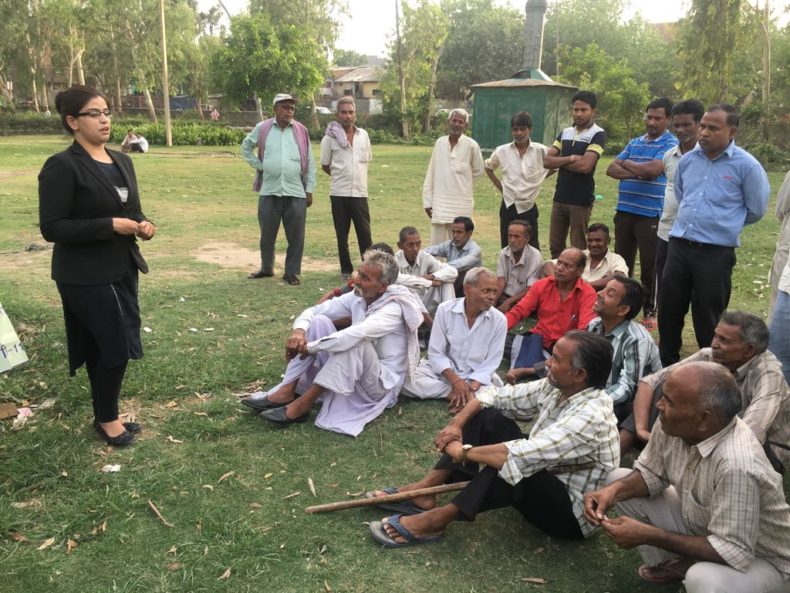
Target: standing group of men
[704, 503]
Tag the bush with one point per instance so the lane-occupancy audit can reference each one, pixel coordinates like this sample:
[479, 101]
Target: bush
[184, 133]
[29, 123]
[769, 154]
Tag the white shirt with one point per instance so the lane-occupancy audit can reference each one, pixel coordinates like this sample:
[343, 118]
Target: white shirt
[670, 212]
[411, 275]
[519, 274]
[385, 328]
[348, 166]
[473, 353]
[521, 176]
[450, 178]
[612, 263]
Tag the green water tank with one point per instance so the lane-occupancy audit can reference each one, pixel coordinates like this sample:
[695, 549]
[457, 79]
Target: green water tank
[547, 101]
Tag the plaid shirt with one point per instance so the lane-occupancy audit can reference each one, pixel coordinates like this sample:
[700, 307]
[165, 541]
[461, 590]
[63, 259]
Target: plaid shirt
[579, 430]
[728, 493]
[635, 355]
[765, 397]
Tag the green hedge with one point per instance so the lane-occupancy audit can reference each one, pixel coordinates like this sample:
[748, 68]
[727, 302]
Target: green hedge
[184, 133]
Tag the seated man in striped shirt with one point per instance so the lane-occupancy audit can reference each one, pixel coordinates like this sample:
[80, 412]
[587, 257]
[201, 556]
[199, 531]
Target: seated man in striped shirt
[570, 450]
[635, 352]
[703, 504]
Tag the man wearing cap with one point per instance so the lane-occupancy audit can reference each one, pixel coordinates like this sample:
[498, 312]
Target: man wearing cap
[455, 163]
[285, 182]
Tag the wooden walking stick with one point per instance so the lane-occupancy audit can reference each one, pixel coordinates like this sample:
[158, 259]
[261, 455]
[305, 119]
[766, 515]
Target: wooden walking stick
[397, 497]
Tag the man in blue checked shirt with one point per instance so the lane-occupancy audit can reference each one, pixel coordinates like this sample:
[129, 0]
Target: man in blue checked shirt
[640, 201]
[720, 188]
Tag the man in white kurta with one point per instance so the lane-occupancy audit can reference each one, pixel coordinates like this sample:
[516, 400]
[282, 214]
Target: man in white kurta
[456, 161]
[430, 279]
[356, 372]
[466, 345]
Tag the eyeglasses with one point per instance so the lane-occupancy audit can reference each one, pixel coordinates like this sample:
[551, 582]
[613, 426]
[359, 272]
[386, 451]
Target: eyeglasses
[95, 113]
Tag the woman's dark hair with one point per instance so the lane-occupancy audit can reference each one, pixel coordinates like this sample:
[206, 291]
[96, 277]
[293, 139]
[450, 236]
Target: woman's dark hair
[72, 100]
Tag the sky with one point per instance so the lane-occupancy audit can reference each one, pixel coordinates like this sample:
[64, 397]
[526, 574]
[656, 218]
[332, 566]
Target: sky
[372, 22]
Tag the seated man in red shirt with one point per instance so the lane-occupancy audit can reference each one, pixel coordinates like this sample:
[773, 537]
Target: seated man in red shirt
[563, 302]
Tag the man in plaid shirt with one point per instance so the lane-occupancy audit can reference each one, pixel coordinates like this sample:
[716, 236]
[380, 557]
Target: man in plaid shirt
[571, 448]
[703, 504]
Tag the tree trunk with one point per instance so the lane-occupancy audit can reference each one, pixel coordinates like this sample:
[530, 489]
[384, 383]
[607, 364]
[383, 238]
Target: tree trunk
[116, 72]
[258, 105]
[7, 94]
[426, 124]
[80, 69]
[405, 131]
[149, 103]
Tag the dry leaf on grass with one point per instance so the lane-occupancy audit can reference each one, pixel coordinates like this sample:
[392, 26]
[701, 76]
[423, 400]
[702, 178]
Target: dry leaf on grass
[255, 505]
[174, 566]
[534, 580]
[172, 550]
[18, 537]
[159, 516]
[200, 414]
[327, 588]
[70, 545]
[225, 575]
[311, 486]
[171, 404]
[291, 495]
[47, 543]
[172, 440]
[208, 487]
[225, 476]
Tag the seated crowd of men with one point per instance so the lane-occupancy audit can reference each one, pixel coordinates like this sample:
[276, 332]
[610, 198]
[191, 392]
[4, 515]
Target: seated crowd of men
[704, 504]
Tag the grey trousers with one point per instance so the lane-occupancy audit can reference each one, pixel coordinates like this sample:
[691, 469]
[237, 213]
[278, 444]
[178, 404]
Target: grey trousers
[293, 213]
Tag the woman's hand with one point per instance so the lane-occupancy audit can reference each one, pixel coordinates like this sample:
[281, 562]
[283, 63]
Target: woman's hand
[146, 230]
[125, 226]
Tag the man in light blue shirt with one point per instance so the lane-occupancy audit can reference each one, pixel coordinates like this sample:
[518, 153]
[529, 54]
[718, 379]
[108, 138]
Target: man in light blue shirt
[719, 188]
[461, 252]
[285, 181]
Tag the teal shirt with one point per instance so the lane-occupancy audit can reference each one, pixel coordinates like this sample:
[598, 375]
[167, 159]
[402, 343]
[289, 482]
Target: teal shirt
[281, 166]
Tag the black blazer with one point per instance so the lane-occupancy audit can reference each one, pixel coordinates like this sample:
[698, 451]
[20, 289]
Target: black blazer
[76, 206]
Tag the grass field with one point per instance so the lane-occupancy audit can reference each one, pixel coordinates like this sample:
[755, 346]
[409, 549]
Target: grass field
[233, 488]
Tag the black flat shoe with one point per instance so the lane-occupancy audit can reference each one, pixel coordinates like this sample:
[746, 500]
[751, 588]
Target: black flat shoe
[260, 274]
[133, 427]
[123, 439]
[277, 416]
[261, 404]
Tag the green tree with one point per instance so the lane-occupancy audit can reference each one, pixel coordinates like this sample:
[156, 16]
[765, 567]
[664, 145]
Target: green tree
[485, 42]
[424, 32]
[621, 100]
[348, 57]
[258, 60]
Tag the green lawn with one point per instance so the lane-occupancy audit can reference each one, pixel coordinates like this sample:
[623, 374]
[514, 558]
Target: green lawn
[215, 334]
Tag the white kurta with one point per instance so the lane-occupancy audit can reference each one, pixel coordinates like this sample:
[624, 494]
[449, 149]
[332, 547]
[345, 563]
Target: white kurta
[411, 276]
[472, 353]
[450, 178]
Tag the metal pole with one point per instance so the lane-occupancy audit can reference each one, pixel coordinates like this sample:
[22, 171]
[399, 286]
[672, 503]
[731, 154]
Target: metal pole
[165, 78]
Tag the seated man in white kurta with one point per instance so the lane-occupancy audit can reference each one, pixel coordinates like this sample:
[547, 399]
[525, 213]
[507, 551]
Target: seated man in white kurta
[357, 371]
[467, 340]
[423, 274]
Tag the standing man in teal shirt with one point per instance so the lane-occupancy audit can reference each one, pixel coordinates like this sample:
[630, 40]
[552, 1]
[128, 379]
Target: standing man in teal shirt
[285, 182]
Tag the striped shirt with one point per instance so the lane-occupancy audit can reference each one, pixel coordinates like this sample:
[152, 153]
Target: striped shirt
[644, 197]
[579, 430]
[635, 355]
[765, 397]
[728, 491]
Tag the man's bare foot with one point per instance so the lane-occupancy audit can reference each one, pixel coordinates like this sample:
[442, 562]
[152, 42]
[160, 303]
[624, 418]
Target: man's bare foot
[514, 375]
[420, 526]
[283, 395]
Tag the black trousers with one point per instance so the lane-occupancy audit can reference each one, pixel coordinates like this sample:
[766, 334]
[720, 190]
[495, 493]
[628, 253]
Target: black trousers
[632, 232]
[661, 258]
[509, 214]
[541, 498]
[698, 274]
[344, 211]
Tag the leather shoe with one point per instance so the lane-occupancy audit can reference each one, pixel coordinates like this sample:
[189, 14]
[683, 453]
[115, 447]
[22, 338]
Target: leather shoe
[133, 427]
[123, 439]
[262, 403]
[291, 279]
[260, 274]
[277, 416]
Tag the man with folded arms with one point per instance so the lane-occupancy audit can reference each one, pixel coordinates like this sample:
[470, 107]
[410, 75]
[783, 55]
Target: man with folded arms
[703, 504]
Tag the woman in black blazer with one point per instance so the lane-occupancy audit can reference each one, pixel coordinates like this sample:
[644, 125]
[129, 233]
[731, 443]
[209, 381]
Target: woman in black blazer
[89, 206]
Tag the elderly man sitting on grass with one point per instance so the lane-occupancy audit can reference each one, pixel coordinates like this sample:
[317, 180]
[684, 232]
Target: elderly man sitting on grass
[570, 450]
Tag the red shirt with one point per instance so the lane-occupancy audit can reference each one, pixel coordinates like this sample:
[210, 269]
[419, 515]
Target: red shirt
[555, 317]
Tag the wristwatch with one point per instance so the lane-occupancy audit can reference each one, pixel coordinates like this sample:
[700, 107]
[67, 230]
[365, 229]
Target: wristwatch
[465, 451]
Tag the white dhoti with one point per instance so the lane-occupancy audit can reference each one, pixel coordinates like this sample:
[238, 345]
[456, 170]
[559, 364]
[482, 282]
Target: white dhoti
[664, 511]
[354, 394]
[426, 384]
[436, 295]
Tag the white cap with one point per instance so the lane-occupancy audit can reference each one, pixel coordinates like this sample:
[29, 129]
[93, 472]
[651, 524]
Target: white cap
[283, 97]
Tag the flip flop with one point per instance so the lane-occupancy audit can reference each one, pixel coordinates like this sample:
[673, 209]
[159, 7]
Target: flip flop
[404, 507]
[661, 573]
[380, 535]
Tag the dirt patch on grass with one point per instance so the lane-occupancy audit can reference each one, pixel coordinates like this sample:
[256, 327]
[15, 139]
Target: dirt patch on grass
[27, 260]
[231, 255]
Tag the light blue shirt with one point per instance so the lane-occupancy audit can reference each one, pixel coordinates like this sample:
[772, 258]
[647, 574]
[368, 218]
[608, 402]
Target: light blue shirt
[717, 198]
[282, 164]
[465, 258]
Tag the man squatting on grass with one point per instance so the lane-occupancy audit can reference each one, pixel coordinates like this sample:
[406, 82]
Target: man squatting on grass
[703, 504]
[570, 450]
